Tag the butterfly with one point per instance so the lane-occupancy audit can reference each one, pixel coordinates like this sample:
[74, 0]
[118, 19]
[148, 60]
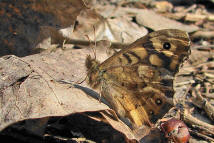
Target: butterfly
[137, 81]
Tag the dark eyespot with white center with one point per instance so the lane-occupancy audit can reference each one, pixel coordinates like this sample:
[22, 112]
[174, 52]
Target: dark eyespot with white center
[166, 45]
[151, 112]
[158, 101]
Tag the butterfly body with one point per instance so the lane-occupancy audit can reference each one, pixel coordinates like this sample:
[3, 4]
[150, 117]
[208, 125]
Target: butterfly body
[138, 80]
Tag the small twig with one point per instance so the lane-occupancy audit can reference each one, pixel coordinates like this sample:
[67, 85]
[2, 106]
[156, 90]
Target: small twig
[194, 122]
[114, 45]
[64, 139]
[192, 7]
[204, 47]
[209, 75]
[79, 140]
[201, 135]
[184, 83]
[203, 34]
[63, 44]
[208, 108]
[203, 79]
[196, 17]
[209, 96]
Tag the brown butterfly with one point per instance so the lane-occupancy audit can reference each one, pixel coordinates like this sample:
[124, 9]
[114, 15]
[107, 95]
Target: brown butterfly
[138, 80]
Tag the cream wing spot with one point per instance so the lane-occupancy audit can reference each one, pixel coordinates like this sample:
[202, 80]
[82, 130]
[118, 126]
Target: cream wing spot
[140, 52]
[155, 60]
[173, 64]
[168, 53]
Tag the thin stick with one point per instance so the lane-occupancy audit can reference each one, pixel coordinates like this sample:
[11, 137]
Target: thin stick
[95, 42]
[194, 122]
[201, 135]
[205, 104]
[114, 45]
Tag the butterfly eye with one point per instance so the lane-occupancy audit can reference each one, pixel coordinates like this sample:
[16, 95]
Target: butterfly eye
[166, 45]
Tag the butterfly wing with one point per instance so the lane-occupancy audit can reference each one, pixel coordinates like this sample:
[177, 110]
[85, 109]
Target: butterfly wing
[138, 80]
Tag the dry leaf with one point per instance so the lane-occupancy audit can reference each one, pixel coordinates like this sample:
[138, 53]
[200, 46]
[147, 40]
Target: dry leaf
[154, 21]
[22, 21]
[28, 90]
[116, 30]
[163, 6]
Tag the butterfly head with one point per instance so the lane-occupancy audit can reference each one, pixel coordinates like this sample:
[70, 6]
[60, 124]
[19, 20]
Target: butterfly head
[93, 73]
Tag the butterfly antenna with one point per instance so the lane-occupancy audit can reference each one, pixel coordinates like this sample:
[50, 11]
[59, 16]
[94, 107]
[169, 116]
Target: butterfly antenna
[80, 82]
[95, 42]
[100, 94]
[92, 46]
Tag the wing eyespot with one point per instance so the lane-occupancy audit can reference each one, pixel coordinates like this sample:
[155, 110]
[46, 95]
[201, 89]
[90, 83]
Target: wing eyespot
[166, 45]
[211, 90]
[151, 112]
[158, 101]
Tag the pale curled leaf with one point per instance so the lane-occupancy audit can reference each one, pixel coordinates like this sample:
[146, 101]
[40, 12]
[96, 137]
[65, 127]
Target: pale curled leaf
[116, 30]
[34, 94]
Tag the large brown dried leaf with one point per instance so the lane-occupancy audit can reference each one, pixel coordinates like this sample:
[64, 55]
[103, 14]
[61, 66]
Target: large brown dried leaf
[22, 22]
